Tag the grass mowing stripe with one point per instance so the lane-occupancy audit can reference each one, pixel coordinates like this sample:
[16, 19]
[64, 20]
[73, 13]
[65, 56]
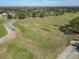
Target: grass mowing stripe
[44, 42]
[19, 53]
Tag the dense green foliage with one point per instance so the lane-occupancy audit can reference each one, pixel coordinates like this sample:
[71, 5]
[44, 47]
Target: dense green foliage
[21, 16]
[21, 13]
[9, 16]
[74, 23]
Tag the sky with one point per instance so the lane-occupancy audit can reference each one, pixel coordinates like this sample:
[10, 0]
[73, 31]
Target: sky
[39, 2]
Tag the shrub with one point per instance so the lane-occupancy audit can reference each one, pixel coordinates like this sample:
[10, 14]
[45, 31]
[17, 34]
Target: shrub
[21, 16]
[74, 24]
[9, 16]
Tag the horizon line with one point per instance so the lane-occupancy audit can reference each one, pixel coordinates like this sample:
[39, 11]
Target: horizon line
[41, 6]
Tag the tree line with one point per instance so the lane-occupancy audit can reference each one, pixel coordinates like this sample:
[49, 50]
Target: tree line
[22, 13]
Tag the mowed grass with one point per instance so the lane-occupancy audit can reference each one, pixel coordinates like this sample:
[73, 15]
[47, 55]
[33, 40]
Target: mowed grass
[34, 36]
[19, 53]
[45, 33]
[41, 36]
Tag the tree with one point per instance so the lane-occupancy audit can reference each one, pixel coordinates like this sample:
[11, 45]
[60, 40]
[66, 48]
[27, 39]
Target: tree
[9, 16]
[74, 24]
[41, 15]
[33, 14]
[21, 16]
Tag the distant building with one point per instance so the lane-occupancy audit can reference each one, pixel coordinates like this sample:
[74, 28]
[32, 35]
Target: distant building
[8, 13]
[4, 14]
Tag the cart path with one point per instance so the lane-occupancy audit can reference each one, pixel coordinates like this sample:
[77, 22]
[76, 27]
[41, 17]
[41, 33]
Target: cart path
[71, 52]
[10, 33]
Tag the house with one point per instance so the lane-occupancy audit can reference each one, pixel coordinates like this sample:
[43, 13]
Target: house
[4, 14]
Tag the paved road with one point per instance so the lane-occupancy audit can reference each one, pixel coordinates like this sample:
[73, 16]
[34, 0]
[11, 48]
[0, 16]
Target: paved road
[71, 52]
[11, 32]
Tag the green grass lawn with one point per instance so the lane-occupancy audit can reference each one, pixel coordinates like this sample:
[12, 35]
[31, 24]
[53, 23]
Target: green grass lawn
[41, 36]
[19, 53]
[44, 32]
[3, 31]
[34, 36]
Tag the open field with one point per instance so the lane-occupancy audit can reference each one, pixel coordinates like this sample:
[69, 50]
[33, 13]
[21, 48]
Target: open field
[38, 38]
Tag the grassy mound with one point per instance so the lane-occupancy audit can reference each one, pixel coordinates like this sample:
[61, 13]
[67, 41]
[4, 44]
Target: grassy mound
[3, 31]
